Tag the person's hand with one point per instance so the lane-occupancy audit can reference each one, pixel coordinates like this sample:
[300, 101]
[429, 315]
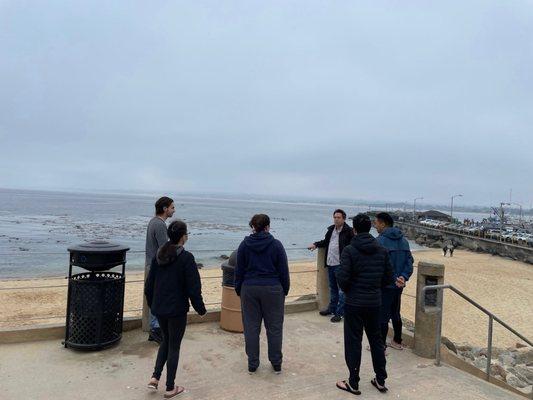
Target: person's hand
[311, 247]
[400, 282]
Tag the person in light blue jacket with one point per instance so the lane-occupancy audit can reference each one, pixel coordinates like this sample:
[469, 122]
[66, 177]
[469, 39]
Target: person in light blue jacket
[401, 259]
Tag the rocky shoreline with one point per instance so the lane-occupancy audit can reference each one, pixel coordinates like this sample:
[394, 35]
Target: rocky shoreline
[435, 238]
[513, 365]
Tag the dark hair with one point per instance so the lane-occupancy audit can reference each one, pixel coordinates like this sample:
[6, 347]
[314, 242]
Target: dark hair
[386, 218]
[161, 204]
[259, 222]
[176, 230]
[361, 223]
[338, 210]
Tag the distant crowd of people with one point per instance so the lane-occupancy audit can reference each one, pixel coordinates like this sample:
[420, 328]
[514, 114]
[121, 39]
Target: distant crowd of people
[366, 278]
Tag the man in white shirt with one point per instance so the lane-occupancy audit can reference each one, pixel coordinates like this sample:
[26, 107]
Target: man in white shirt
[337, 237]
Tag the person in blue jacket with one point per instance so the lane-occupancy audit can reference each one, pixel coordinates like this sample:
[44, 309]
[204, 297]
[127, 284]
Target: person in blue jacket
[262, 282]
[401, 258]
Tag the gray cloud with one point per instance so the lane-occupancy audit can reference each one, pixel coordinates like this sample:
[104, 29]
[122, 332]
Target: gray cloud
[375, 100]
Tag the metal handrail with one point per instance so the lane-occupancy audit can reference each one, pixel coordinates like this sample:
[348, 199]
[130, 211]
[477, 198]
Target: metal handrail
[491, 316]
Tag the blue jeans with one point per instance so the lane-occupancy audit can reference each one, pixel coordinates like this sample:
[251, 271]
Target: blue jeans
[154, 323]
[391, 305]
[336, 295]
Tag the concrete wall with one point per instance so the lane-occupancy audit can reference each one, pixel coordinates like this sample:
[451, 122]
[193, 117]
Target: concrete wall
[480, 245]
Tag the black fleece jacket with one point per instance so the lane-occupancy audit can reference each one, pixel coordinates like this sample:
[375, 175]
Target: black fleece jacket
[173, 280]
[365, 269]
[345, 236]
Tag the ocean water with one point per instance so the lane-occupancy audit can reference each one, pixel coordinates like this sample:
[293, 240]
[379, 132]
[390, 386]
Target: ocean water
[37, 227]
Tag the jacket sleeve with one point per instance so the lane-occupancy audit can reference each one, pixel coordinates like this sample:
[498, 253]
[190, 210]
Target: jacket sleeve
[161, 236]
[194, 286]
[408, 267]
[149, 284]
[283, 269]
[388, 272]
[240, 268]
[407, 270]
[344, 272]
[323, 242]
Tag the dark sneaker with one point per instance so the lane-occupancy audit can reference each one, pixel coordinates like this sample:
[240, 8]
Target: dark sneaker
[336, 318]
[252, 370]
[277, 369]
[325, 313]
[155, 335]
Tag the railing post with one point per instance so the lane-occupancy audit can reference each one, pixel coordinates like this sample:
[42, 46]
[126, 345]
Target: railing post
[428, 314]
[439, 334]
[489, 346]
[322, 281]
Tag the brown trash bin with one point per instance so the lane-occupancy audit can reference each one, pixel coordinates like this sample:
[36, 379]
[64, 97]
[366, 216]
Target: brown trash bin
[231, 313]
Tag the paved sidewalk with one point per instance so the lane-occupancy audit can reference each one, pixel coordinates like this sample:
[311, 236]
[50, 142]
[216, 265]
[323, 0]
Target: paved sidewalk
[213, 366]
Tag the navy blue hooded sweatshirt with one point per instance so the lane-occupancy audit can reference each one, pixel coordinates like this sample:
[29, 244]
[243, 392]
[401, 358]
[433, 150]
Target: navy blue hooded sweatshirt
[399, 253]
[262, 261]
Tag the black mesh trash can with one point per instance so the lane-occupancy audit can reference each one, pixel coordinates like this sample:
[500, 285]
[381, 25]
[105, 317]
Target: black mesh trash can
[95, 299]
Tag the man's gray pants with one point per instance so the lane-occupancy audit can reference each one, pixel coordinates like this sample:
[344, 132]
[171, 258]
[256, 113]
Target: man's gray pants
[263, 303]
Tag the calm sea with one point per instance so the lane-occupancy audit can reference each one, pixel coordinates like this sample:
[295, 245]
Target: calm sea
[36, 227]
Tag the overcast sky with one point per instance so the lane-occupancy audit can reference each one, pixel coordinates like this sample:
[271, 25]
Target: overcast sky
[359, 99]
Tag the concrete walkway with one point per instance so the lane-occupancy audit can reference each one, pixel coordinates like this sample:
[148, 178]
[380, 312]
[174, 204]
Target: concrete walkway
[213, 366]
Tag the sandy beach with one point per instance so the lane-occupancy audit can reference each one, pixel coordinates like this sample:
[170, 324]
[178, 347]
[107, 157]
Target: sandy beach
[37, 306]
[501, 285]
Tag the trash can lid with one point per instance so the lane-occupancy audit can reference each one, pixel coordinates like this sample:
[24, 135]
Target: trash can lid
[98, 246]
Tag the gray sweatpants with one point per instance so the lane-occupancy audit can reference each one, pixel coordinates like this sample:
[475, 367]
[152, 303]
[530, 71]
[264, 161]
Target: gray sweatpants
[263, 303]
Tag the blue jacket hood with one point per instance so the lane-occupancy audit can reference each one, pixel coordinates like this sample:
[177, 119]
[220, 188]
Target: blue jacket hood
[400, 255]
[259, 242]
[393, 239]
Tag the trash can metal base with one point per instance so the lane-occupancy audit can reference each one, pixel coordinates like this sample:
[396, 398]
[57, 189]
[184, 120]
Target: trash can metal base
[95, 310]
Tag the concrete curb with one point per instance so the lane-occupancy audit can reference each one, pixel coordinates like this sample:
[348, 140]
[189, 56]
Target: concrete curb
[57, 331]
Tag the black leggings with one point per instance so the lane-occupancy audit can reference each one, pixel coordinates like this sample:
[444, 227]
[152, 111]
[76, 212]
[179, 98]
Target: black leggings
[169, 350]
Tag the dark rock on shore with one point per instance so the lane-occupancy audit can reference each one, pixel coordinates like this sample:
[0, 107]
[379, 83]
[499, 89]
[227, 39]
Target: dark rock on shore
[512, 365]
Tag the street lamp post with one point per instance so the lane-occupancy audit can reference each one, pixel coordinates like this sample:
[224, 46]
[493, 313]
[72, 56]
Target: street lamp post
[414, 207]
[519, 205]
[451, 207]
[502, 217]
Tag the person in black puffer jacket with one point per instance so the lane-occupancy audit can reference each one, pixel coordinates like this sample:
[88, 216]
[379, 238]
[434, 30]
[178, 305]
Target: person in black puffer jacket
[365, 269]
[173, 280]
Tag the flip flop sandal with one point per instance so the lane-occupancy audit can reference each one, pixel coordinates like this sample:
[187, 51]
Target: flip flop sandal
[153, 385]
[348, 388]
[177, 391]
[382, 389]
[395, 346]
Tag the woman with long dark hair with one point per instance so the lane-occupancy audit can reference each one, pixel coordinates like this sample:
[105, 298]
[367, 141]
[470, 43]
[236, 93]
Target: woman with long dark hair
[262, 282]
[173, 281]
